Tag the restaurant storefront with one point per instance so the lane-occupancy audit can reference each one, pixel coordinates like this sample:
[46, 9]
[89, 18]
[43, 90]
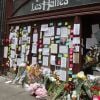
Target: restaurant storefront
[53, 33]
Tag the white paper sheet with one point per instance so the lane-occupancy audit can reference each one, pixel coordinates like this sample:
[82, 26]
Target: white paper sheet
[90, 42]
[77, 48]
[45, 51]
[14, 40]
[76, 40]
[23, 49]
[17, 27]
[76, 58]
[45, 60]
[28, 40]
[34, 48]
[23, 57]
[52, 31]
[41, 35]
[58, 31]
[95, 28]
[76, 29]
[46, 40]
[27, 51]
[5, 52]
[29, 29]
[11, 63]
[13, 46]
[35, 38]
[63, 62]
[12, 34]
[62, 75]
[44, 27]
[34, 60]
[13, 54]
[63, 49]
[54, 48]
[64, 32]
[53, 60]
[49, 32]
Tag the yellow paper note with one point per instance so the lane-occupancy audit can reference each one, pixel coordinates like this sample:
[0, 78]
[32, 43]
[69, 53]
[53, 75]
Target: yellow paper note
[66, 55]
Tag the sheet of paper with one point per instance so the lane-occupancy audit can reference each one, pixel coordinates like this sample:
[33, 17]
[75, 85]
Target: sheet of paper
[12, 35]
[20, 41]
[23, 57]
[90, 42]
[41, 35]
[45, 51]
[13, 54]
[34, 60]
[26, 58]
[49, 32]
[45, 60]
[63, 49]
[27, 51]
[28, 40]
[60, 55]
[29, 29]
[19, 61]
[54, 48]
[76, 48]
[53, 60]
[76, 40]
[14, 40]
[44, 27]
[65, 55]
[95, 28]
[17, 27]
[24, 40]
[23, 49]
[64, 32]
[39, 56]
[76, 29]
[63, 62]
[35, 38]
[71, 44]
[62, 75]
[11, 62]
[46, 40]
[34, 48]
[76, 58]
[52, 31]
[5, 52]
[58, 32]
[13, 46]
[52, 38]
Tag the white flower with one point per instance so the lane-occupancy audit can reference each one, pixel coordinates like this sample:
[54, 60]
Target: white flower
[52, 79]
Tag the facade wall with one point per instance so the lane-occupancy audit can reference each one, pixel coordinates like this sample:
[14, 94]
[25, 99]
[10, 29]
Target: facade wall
[25, 19]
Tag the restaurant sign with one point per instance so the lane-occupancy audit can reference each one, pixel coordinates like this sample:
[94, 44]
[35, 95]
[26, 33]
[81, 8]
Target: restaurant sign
[48, 4]
[36, 6]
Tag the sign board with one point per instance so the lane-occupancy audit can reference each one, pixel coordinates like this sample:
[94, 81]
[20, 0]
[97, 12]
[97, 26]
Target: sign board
[36, 6]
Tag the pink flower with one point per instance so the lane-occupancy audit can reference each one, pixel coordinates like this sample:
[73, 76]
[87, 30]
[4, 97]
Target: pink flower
[41, 92]
[32, 88]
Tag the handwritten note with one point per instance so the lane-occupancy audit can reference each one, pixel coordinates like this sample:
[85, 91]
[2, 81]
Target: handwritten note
[54, 48]
[45, 60]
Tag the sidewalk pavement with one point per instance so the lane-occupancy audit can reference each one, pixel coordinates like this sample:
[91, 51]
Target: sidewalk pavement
[13, 92]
